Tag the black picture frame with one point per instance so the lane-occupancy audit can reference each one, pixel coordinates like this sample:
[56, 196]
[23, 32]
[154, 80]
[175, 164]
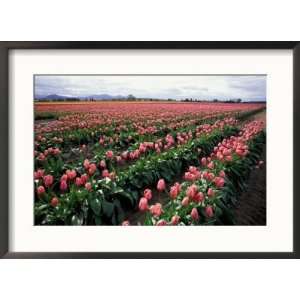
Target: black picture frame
[5, 47]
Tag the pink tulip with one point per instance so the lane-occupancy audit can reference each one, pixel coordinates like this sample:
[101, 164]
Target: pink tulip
[40, 190]
[102, 164]
[54, 202]
[210, 176]
[222, 174]
[178, 186]
[125, 223]
[203, 161]
[161, 185]
[191, 191]
[143, 204]
[86, 164]
[64, 177]
[173, 192]
[199, 197]
[148, 194]
[210, 192]
[63, 186]
[48, 180]
[185, 201]
[195, 214]
[92, 169]
[109, 154]
[175, 220]
[105, 173]
[78, 181]
[156, 210]
[211, 165]
[71, 174]
[88, 186]
[39, 174]
[219, 182]
[209, 211]
[161, 223]
[84, 178]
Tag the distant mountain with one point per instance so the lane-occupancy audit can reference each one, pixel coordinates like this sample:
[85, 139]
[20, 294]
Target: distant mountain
[94, 97]
[51, 97]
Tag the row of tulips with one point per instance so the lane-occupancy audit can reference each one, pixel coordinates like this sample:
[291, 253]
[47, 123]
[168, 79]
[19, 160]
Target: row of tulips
[107, 164]
[97, 142]
[205, 195]
[113, 134]
[86, 198]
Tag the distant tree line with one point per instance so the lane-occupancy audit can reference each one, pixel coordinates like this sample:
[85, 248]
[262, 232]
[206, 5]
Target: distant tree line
[133, 98]
[214, 100]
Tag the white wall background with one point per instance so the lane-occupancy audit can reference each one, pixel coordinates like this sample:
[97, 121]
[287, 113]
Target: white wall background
[149, 20]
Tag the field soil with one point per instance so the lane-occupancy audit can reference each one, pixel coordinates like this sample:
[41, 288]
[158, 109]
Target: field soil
[251, 209]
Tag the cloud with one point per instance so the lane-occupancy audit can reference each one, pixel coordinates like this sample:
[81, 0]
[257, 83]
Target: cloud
[248, 87]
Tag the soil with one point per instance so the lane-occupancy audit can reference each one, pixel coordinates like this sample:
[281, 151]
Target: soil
[251, 209]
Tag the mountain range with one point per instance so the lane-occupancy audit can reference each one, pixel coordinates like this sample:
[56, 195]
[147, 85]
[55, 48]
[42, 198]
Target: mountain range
[95, 97]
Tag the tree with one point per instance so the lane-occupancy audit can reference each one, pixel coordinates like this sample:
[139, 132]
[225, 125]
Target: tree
[130, 97]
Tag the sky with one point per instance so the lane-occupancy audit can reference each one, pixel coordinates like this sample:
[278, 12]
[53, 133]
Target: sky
[223, 87]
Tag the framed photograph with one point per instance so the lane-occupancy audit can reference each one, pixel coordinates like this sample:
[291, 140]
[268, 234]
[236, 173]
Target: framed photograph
[149, 149]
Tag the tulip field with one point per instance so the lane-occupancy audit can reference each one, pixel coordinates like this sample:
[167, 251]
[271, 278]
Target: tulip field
[144, 163]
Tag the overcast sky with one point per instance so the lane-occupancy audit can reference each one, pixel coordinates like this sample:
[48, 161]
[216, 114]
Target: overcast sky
[249, 88]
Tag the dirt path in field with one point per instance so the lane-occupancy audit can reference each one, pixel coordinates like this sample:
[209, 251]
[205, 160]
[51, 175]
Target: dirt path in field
[251, 209]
